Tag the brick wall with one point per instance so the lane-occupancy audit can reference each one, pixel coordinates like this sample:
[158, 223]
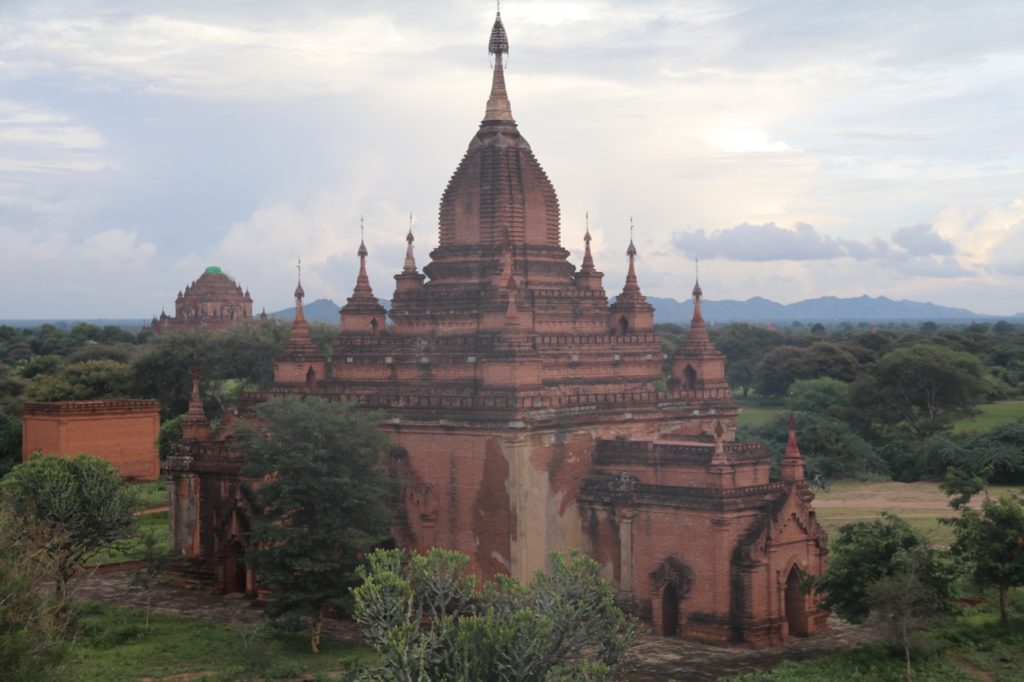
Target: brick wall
[123, 432]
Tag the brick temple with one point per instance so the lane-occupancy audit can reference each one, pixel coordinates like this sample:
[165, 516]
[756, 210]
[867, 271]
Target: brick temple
[527, 417]
[213, 301]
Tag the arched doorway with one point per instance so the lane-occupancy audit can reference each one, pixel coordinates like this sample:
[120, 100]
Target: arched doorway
[690, 377]
[310, 379]
[623, 325]
[796, 604]
[235, 574]
[669, 611]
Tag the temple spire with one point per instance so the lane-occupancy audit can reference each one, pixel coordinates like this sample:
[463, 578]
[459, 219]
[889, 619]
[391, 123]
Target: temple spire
[300, 315]
[698, 293]
[196, 425]
[362, 288]
[792, 467]
[498, 106]
[588, 259]
[410, 260]
[631, 283]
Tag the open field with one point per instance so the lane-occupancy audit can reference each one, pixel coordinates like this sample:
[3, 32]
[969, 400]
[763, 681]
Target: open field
[990, 416]
[758, 410]
[113, 645]
[921, 504]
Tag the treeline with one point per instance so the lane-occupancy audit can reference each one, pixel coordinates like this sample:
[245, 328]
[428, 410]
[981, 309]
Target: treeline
[88, 362]
[880, 401]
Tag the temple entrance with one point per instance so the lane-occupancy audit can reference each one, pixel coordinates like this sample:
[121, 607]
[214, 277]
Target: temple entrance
[669, 611]
[310, 379]
[623, 325]
[235, 574]
[690, 378]
[796, 605]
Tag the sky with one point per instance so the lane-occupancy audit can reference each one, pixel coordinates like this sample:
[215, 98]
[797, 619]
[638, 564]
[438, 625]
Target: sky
[799, 148]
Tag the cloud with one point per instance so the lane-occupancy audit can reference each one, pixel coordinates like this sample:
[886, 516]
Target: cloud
[916, 250]
[770, 242]
[922, 240]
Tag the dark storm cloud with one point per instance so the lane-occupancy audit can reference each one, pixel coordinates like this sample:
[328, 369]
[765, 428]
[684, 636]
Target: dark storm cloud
[922, 240]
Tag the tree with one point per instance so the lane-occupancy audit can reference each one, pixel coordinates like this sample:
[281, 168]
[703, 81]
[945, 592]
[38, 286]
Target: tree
[84, 502]
[88, 380]
[991, 539]
[30, 625]
[924, 386]
[320, 498]
[865, 553]
[904, 599]
[421, 614]
[154, 564]
[744, 345]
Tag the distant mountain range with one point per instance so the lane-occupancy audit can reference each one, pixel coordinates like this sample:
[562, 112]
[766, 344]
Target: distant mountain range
[826, 309]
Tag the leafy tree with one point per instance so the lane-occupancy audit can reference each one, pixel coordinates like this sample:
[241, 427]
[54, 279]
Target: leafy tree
[10, 440]
[905, 598]
[923, 385]
[169, 436]
[991, 539]
[865, 553]
[828, 445]
[422, 616]
[89, 380]
[84, 502]
[30, 624]
[744, 345]
[824, 396]
[779, 368]
[244, 352]
[321, 500]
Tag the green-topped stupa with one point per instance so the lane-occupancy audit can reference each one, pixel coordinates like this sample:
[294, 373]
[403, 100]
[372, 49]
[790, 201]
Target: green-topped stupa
[213, 301]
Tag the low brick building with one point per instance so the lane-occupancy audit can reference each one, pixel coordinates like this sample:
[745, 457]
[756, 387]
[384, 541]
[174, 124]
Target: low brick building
[123, 432]
[529, 414]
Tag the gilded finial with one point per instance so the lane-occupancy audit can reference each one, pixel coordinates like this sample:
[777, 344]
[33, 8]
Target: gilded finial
[586, 235]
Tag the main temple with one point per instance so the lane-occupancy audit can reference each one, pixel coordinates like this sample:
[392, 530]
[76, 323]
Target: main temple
[529, 414]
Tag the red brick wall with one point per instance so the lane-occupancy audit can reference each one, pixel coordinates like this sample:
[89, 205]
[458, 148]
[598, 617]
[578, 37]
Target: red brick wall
[123, 433]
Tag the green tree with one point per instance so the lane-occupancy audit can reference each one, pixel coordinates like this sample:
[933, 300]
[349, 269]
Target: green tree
[244, 352]
[88, 380]
[84, 502]
[422, 616]
[744, 345]
[779, 368]
[869, 551]
[10, 440]
[905, 599]
[30, 624]
[924, 386]
[992, 540]
[321, 500]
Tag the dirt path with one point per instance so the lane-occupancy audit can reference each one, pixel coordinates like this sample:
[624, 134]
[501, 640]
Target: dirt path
[654, 659]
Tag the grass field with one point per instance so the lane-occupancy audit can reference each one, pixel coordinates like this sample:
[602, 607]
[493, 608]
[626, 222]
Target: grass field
[920, 504]
[151, 493]
[991, 415]
[112, 644]
[758, 411]
[132, 549]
